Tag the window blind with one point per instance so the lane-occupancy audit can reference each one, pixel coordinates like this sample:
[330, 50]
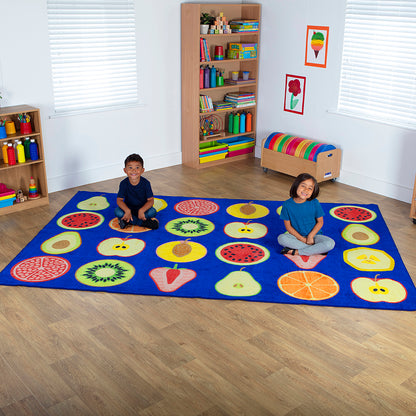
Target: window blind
[93, 54]
[378, 75]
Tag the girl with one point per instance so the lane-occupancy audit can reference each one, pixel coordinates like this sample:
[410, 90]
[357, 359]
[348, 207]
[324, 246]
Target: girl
[303, 218]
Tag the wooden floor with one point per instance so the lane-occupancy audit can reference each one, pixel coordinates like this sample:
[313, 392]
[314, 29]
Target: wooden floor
[84, 353]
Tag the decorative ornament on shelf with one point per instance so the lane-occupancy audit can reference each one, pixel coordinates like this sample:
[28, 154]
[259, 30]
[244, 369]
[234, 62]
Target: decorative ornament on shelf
[206, 20]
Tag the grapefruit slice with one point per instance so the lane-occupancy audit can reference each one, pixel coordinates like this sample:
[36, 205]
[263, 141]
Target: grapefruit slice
[40, 269]
[196, 207]
[308, 285]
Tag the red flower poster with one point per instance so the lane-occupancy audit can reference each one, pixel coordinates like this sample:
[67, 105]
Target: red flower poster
[294, 94]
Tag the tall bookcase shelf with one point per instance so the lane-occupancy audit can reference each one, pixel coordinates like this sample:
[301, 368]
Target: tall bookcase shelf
[17, 176]
[190, 62]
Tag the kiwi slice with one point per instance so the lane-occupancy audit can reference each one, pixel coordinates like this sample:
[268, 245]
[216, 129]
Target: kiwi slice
[104, 273]
[248, 209]
[190, 226]
[182, 249]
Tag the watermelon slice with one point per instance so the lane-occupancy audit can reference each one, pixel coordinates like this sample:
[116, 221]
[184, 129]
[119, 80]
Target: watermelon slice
[40, 269]
[242, 252]
[81, 220]
[353, 213]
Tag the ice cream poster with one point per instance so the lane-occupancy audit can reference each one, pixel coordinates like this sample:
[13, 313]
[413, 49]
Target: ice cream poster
[316, 46]
[294, 94]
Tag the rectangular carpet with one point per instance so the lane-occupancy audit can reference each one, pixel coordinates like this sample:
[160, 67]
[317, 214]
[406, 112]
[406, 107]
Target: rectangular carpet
[216, 249]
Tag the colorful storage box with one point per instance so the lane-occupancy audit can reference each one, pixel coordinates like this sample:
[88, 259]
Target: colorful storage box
[7, 202]
[210, 147]
[242, 50]
[213, 156]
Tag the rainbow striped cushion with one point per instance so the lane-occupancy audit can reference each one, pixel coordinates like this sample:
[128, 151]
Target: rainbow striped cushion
[296, 146]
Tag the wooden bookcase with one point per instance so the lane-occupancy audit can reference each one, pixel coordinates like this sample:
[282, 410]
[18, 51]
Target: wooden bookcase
[190, 61]
[17, 176]
[413, 206]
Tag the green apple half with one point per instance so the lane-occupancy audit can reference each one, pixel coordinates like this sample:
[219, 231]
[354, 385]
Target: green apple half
[121, 247]
[245, 230]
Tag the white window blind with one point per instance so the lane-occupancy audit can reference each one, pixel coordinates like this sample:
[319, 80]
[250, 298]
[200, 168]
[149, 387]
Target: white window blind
[93, 54]
[378, 76]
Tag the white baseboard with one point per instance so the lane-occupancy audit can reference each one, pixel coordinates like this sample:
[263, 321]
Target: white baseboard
[102, 173]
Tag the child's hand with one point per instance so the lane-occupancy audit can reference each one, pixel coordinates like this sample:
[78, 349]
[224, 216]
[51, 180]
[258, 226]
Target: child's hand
[310, 240]
[141, 215]
[127, 216]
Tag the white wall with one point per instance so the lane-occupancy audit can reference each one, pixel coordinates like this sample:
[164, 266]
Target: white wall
[92, 147]
[89, 148]
[376, 157]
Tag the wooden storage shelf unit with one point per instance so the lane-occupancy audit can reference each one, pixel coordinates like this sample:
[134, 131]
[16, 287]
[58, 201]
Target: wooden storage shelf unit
[190, 61]
[413, 205]
[17, 176]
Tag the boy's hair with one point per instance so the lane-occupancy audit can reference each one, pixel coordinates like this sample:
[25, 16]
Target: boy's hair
[134, 157]
[300, 178]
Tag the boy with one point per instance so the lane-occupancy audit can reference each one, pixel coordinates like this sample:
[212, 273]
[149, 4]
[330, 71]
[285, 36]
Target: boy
[135, 196]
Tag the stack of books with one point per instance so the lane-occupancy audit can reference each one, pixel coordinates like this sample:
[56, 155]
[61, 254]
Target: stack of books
[241, 26]
[222, 106]
[204, 55]
[205, 104]
[240, 100]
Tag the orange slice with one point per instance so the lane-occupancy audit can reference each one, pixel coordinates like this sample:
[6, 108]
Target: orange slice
[308, 285]
[129, 229]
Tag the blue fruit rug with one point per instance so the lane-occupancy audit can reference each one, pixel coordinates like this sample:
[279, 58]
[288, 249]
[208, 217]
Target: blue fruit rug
[216, 249]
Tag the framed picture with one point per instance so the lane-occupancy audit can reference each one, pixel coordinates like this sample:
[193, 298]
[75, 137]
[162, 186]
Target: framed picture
[294, 94]
[316, 46]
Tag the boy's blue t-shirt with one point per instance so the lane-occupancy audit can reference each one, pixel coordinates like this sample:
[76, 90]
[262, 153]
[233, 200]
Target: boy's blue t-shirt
[302, 216]
[135, 196]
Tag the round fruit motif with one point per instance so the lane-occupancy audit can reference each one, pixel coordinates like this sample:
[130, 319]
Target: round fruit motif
[105, 273]
[379, 290]
[242, 253]
[368, 259]
[279, 210]
[245, 230]
[81, 220]
[248, 210]
[197, 207]
[159, 204]
[360, 234]
[40, 269]
[131, 229]
[352, 213]
[190, 226]
[62, 243]
[96, 203]
[122, 247]
[308, 285]
[181, 251]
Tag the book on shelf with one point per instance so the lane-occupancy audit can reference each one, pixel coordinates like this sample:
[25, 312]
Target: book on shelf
[222, 106]
[204, 54]
[205, 103]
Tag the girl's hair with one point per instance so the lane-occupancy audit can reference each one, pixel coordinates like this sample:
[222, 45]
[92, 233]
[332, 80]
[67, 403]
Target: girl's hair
[300, 178]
